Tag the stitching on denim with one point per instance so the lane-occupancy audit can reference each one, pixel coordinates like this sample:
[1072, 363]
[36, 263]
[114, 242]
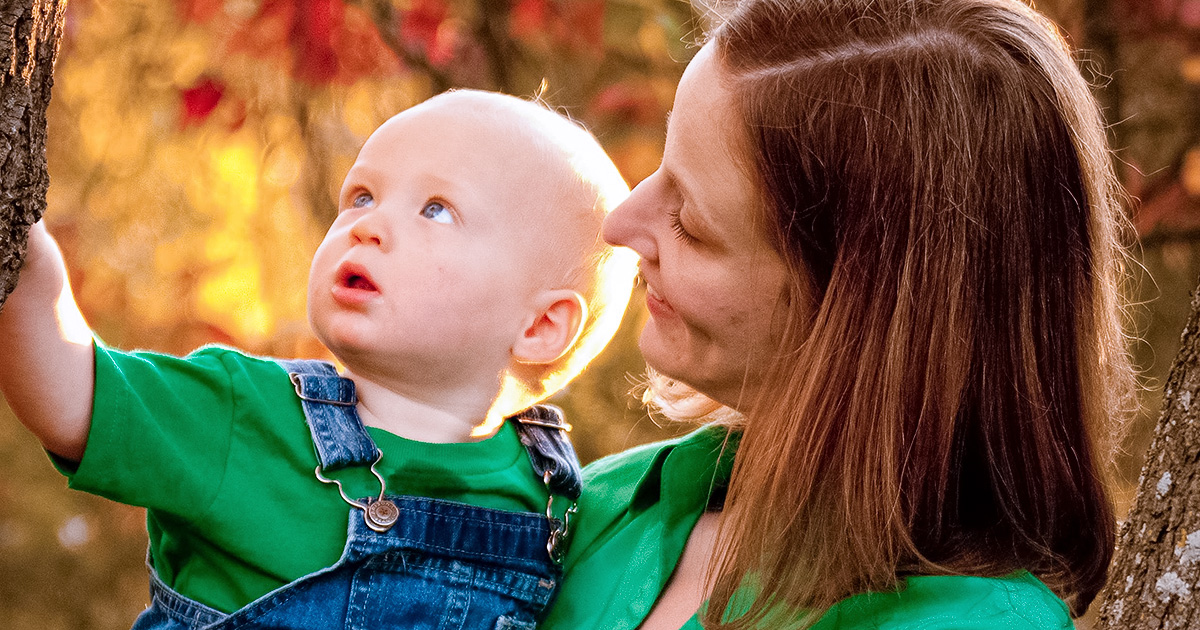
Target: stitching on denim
[398, 541]
[419, 544]
[180, 609]
[246, 617]
[519, 585]
[469, 519]
[329, 424]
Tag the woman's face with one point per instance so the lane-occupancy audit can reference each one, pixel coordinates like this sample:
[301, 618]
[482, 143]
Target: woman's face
[714, 285]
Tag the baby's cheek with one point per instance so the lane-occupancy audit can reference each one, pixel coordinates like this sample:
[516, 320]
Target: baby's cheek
[324, 258]
[442, 294]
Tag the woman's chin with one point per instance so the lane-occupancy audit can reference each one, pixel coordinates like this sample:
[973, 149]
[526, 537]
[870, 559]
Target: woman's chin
[727, 389]
[660, 353]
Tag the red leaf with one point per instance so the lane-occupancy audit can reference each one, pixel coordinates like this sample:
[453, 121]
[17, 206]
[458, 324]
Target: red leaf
[529, 17]
[268, 33]
[361, 50]
[199, 11]
[584, 23]
[628, 103]
[321, 41]
[576, 25]
[1163, 9]
[1168, 209]
[311, 40]
[419, 25]
[1189, 14]
[445, 46]
[199, 101]
[1142, 15]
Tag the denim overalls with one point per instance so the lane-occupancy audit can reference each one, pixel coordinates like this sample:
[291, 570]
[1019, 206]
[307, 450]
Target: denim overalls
[409, 562]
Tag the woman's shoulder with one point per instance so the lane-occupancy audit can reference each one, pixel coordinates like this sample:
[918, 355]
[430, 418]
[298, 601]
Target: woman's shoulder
[649, 486]
[950, 602]
[632, 462]
[624, 472]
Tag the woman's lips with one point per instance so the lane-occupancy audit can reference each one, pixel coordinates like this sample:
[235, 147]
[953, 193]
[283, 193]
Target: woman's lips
[655, 303]
[354, 286]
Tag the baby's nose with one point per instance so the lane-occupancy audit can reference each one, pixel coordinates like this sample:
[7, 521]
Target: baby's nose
[366, 231]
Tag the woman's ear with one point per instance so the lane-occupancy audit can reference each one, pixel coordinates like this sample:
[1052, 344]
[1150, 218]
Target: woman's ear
[553, 329]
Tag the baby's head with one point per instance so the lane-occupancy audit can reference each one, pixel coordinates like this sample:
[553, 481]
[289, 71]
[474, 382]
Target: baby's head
[466, 251]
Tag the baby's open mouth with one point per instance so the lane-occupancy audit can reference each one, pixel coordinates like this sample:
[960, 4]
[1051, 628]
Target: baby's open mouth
[360, 282]
[352, 276]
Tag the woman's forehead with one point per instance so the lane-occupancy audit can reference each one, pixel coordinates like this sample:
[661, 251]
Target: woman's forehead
[704, 121]
[706, 152]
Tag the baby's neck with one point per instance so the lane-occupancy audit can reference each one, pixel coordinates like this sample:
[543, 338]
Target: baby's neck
[441, 417]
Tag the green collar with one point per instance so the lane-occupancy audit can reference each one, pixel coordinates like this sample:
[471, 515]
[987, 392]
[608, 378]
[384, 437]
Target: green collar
[684, 465]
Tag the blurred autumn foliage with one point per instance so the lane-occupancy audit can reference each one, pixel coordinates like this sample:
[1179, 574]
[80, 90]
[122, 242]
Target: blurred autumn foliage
[196, 147]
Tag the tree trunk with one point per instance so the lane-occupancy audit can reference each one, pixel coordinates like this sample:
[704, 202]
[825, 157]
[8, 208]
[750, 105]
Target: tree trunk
[30, 32]
[1155, 578]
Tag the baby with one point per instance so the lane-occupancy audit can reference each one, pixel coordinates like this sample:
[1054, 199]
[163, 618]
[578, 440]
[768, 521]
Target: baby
[462, 281]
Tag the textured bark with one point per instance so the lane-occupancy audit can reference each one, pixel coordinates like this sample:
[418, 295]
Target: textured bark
[1155, 578]
[30, 32]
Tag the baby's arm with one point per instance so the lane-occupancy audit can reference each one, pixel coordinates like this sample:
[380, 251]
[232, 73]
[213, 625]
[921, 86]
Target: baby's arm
[47, 373]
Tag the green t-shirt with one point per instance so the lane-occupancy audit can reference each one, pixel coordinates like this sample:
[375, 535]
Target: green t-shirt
[215, 446]
[638, 509]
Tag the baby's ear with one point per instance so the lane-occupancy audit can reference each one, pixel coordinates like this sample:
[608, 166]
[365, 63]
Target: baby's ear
[554, 328]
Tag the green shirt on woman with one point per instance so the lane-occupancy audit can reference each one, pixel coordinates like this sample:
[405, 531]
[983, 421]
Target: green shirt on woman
[638, 509]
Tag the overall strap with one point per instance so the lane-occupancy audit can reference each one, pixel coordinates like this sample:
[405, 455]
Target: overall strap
[543, 432]
[329, 409]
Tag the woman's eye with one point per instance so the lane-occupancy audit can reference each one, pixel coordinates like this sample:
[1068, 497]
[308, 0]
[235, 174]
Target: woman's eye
[362, 200]
[681, 232]
[437, 213]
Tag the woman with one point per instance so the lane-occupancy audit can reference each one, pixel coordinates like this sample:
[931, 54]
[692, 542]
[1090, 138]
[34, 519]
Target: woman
[884, 246]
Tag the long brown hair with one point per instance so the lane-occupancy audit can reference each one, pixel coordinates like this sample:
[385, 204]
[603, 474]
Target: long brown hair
[937, 177]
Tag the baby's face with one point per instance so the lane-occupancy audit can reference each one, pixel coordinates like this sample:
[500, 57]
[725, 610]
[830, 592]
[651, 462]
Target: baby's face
[441, 243]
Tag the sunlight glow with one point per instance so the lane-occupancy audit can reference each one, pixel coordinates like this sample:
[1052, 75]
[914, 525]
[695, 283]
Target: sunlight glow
[70, 321]
[606, 283]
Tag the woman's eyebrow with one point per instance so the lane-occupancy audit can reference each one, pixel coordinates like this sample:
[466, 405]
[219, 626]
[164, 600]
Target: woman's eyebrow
[675, 184]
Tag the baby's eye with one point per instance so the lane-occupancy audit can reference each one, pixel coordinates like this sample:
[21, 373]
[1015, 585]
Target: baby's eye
[362, 200]
[437, 213]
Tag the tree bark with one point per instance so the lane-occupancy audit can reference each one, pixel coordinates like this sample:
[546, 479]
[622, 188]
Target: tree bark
[1155, 579]
[30, 32]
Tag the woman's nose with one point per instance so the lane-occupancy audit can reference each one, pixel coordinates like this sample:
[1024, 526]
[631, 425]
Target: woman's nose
[630, 223]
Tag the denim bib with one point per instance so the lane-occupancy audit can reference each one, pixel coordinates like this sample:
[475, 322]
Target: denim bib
[409, 562]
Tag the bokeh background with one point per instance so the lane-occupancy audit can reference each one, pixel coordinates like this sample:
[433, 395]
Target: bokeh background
[196, 147]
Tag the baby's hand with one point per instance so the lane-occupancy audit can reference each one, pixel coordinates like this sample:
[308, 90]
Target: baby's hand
[47, 373]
